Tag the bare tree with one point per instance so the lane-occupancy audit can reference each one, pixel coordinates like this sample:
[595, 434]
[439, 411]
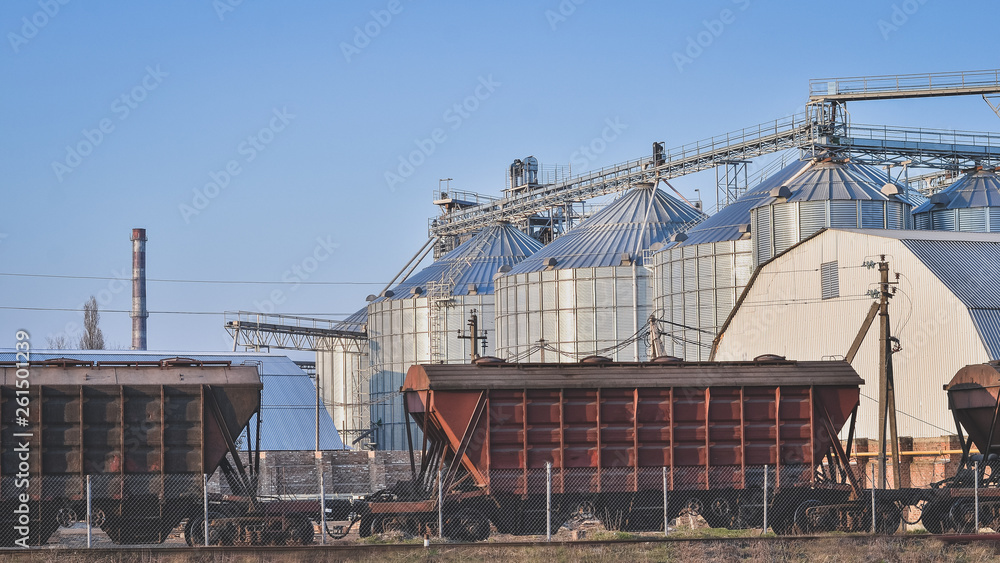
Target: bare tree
[93, 338]
[58, 342]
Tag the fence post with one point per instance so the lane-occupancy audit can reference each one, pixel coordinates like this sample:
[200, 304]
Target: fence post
[873, 498]
[765, 499]
[205, 513]
[90, 526]
[548, 501]
[440, 505]
[666, 517]
[975, 466]
[322, 499]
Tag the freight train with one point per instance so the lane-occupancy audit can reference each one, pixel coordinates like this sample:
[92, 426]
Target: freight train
[146, 434]
[638, 444]
[634, 444]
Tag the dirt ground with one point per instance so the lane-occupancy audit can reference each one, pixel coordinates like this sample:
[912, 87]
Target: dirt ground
[834, 549]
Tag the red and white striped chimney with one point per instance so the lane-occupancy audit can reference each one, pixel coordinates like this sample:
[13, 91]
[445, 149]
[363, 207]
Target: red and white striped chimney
[139, 312]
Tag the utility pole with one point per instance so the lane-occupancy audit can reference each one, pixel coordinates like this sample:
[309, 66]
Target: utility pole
[474, 336]
[887, 394]
[654, 338]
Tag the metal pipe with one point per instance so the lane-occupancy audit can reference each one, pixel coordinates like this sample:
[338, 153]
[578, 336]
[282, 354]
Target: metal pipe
[666, 517]
[914, 453]
[975, 466]
[548, 501]
[322, 498]
[420, 253]
[440, 504]
[873, 499]
[90, 526]
[139, 313]
[765, 499]
[205, 514]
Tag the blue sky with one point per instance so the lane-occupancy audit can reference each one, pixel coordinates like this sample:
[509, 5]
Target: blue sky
[301, 108]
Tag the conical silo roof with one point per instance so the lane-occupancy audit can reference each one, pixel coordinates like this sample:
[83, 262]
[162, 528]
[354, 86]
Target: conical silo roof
[644, 216]
[474, 262]
[806, 181]
[976, 189]
[354, 322]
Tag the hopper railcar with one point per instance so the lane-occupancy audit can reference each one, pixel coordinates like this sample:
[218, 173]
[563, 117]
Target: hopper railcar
[616, 437]
[146, 434]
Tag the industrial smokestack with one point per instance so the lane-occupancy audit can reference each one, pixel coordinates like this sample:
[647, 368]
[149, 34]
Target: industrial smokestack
[139, 312]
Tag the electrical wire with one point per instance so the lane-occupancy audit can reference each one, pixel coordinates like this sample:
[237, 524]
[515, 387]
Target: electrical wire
[162, 280]
[920, 420]
[102, 311]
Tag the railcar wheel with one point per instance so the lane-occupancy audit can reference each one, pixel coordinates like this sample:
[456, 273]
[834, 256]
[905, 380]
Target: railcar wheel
[467, 525]
[962, 515]
[365, 529]
[218, 534]
[300, 530]
[66, 517]
[887, 518]
[806, 520]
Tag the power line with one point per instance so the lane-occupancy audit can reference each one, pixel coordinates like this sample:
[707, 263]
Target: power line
[162, 312]
[163, 280]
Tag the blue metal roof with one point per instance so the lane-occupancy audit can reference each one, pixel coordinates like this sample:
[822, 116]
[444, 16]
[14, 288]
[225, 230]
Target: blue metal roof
[976, 189]
[354, 322]
[833, 181]
[724, 225]
[968, 267]
[288, 401]
[478, 260]
[641, 218]
[807, 181]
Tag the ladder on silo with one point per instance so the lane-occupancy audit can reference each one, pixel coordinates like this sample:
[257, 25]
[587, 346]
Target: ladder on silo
[439, 298]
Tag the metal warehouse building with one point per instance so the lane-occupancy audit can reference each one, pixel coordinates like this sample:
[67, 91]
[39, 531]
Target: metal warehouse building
[587, 292]
[809, 303]
[696, 282]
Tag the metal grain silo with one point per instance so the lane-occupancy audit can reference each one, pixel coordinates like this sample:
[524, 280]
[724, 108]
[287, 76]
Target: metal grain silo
[696, 282]
[825, 194]
[419, 320]
[342, 370]
[587, 292]
[971, 204]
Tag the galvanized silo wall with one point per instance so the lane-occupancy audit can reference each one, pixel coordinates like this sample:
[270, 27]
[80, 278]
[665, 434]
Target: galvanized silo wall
[695, 288]
[399, 336]
[420, 319]
[589, 292]
[971, 204]
[778, 226]
[576, 312]
[342, 368]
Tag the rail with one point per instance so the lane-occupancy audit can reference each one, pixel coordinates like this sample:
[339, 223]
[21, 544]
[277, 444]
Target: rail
[905, 85]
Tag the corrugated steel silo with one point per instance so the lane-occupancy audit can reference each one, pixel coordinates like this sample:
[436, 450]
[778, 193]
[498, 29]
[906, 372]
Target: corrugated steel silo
[826, 194]
[418, 321]
[971, 204]
[587, 291]
[342, 368]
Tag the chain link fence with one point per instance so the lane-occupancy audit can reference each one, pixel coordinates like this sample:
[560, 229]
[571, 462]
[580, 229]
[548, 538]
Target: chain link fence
[549, 503]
